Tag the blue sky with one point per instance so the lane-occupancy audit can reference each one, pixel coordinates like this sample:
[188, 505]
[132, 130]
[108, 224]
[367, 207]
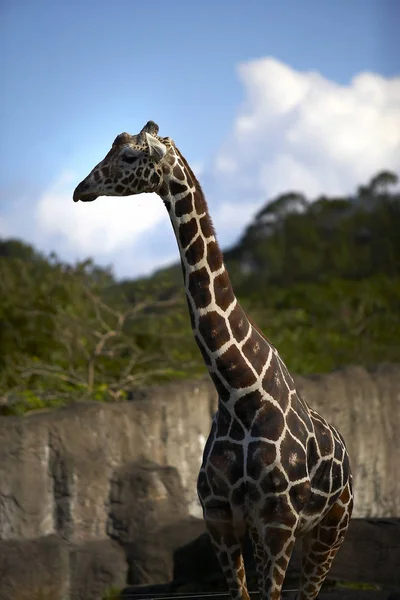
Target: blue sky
[76, 74]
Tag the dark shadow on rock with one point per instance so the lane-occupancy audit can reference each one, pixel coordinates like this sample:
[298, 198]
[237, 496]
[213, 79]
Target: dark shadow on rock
[51, 568]
[95, 567]
[371, 552]
[370, 555]
[148, 517]
[29, 568]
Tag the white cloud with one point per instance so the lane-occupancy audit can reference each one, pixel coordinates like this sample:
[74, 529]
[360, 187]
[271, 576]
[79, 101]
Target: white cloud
[295, 131]
[225, 164]
[300, 131]
[102, 226]
[228, 217]
[133, 234]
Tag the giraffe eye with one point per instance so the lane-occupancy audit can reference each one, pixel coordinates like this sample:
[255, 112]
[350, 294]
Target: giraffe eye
[129, 155]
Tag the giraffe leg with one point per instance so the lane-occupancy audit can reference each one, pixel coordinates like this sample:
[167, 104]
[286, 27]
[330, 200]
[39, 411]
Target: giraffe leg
[228, 549]
[273, 545]
[321, 544]
[259, 556]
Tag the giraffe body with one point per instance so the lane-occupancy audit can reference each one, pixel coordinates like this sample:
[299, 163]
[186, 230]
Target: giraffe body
[272, 466]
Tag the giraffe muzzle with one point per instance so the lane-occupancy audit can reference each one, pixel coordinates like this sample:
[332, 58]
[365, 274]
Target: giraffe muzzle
[82, 192]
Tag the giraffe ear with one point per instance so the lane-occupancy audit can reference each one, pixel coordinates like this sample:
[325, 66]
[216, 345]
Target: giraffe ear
[156, 148]
[150, 127]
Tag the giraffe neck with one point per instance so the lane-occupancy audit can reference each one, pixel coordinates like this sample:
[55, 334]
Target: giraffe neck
[220, 326]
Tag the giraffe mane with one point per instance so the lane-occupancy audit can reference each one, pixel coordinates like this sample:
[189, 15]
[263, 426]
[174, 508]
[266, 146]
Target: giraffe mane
[199, 189]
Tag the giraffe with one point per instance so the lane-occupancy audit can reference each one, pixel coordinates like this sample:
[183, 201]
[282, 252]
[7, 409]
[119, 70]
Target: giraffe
[272, 466]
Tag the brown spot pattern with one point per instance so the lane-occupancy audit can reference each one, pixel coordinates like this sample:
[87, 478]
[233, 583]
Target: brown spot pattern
[259, 456]
[321, 476]
[346, 467]
[234, 370]
[239, 323]
[222, 391]
[274, 482]
[223, 292]
[195, 251]
[315, 504]
[199, 287]
[295, 425]
[214, 331]
[338, 452]
[189, 179]
[282, 562]
[214, 256]
[269, 422]
[155, 178]
[177, 188]
[247, 406]
[293, 458]
[199, 203]
[218, 485]
[228, 457]
[206, 226]
[184, 206]
[238, 495]
[312, 451]
[336, 475]
[299, 495]
[178, 172]
[236, 431]
[324, 440]
[254, 351]
[170, 159]
[187, 232]
[273, 384]
[203, 351]
[224, 422]
[277, 506]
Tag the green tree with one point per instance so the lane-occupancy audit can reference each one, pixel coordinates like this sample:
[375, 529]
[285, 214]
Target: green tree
[321, 279]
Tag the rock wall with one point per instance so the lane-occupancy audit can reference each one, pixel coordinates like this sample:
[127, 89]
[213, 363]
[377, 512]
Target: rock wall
[365, 407]
[60, 471]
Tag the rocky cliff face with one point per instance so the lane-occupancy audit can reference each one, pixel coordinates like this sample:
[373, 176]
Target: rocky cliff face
[96, 495]
[61, 471]
[365, 407]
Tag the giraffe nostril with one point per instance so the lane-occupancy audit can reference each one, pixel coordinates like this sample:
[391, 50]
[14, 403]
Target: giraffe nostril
[80, 189]
[82, 192]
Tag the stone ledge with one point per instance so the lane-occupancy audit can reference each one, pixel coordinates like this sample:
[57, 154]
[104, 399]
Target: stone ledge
[370, 554]
[52, 569]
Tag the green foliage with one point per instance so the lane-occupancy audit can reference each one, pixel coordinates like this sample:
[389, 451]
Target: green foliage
[68, 332]
[356, 585]
[321, 279]
[113, 593]
[28, 401]
[322, 326]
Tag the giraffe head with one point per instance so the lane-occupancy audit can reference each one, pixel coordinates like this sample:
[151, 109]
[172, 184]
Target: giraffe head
[135, 164]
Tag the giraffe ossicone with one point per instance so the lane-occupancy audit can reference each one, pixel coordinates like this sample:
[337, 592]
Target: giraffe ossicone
[272, 466]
